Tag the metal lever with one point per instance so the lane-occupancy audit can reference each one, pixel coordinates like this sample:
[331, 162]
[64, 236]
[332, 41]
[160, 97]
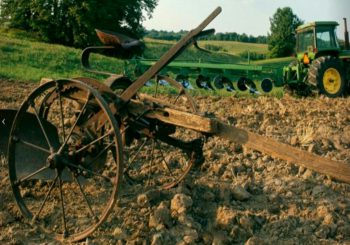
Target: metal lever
[85, 56]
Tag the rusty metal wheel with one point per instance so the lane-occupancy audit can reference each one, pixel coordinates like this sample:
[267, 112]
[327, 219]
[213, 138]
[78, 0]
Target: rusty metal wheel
[65, 162]
[162, 156]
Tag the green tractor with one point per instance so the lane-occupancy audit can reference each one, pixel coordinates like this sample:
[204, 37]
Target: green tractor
[320, 63]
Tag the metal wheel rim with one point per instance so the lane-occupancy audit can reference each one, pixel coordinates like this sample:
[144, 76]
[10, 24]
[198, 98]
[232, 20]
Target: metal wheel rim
[27, 213]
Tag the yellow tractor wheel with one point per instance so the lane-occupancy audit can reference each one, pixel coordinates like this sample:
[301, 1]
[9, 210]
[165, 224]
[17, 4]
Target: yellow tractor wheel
[327, 73]
[331, 81]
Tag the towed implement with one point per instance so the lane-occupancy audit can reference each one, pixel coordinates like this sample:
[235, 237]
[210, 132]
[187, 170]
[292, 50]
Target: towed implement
[215, 76]
[205, 75]
[73, 140]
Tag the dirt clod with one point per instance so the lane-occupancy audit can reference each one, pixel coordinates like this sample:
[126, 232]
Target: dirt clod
[239, 193]
[181, 203]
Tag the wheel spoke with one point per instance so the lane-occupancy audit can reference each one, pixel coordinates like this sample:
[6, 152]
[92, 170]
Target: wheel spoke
[89, 171]
[61, 113]
[151, 163]
[135, 155]
[42, 128]
[64, 223]
[85, 198]
[45, 200]
[165, 162]
[75, 123]
[34, 146]
[100, 153]
[94, 141]
[31, 175]
[178, 96]
[157, 85]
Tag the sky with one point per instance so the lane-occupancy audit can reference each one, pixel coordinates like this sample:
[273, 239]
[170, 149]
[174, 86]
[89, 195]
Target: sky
[243, 16]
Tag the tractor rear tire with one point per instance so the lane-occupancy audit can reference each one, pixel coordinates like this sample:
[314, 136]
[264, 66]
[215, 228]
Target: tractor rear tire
[327, 74]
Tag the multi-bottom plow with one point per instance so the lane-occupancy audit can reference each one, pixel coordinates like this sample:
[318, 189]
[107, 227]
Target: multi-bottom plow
[73, 140]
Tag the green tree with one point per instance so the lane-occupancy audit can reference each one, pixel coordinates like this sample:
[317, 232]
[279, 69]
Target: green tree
[281, 41]
[72, 22]
[15, 12]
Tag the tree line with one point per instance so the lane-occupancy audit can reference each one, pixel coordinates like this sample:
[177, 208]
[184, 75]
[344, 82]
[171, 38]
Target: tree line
[73, 22]
[228, 36]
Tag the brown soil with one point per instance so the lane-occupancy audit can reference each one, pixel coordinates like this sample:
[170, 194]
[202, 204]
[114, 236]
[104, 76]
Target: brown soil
[237, 195]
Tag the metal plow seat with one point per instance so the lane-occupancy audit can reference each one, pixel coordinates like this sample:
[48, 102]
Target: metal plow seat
[117, 40]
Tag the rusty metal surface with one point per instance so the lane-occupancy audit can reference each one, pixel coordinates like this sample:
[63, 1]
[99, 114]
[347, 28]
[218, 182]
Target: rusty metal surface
[85, 62]
[28, 159]
[116, 39]
[47, 150]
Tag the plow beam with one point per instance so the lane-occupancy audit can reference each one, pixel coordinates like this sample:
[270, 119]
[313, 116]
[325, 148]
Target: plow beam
[211, 126]
[335, 169]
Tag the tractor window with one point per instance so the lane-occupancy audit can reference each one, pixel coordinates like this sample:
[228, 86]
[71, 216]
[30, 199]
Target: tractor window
[326, 38]
[305, 40]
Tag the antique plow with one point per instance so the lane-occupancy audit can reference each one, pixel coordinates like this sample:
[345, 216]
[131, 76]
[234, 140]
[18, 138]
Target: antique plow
[72, 140]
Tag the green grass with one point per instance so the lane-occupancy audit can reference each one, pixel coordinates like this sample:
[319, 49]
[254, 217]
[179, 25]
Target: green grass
[26, 60]
[236, 48]
[228, 51]
[230, 47]
[156, 48]
[276, 62]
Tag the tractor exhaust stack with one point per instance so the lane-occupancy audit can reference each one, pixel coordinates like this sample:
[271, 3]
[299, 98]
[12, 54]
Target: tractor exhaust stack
[346, 35]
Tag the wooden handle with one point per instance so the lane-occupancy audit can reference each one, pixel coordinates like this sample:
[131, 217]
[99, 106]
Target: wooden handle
[337, 170]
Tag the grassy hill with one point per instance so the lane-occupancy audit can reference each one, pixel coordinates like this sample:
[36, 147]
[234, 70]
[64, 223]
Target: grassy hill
[236, 48]
[24, 59]
[226, 51]
[156, 48]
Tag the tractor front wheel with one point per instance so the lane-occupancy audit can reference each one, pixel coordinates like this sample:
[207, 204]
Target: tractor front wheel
[327, 74]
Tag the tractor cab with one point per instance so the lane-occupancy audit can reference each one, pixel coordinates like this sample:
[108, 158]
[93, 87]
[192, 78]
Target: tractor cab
[316, 39]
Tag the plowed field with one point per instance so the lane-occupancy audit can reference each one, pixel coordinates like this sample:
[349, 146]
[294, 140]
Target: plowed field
[237, 196]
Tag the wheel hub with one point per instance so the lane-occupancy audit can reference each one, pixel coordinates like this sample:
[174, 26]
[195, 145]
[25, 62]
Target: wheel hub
[55, 161]
[331, 81]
